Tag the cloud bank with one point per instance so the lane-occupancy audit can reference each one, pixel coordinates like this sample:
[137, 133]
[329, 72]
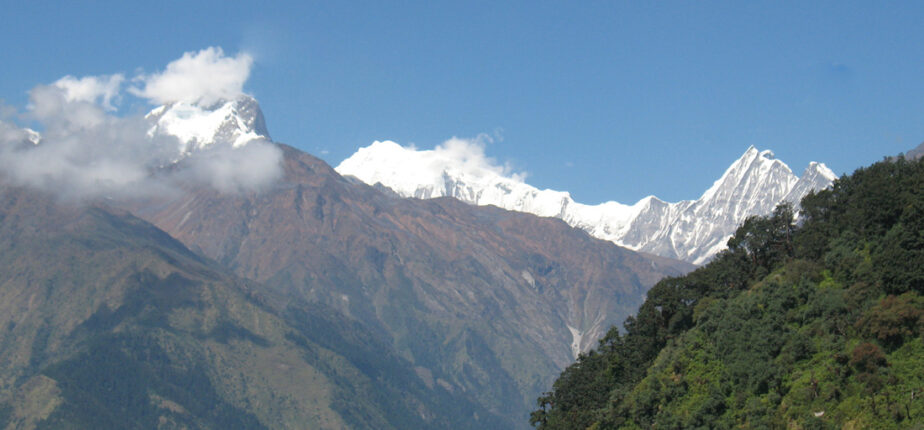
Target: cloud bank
[92, 89]
[203, 77]
[85, 151]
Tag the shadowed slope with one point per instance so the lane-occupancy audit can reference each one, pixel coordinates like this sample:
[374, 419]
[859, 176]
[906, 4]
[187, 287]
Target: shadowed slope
[108, 322]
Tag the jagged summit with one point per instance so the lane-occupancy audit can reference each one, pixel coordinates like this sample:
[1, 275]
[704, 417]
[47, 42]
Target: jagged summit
[233, 122]
[815, 177]
[690, 230]
[753, 185]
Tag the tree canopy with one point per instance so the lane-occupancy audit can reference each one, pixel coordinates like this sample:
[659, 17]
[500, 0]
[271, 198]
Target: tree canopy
[808, 323]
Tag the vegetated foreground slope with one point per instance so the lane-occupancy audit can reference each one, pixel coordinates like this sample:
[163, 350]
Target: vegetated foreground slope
[816, 326]
[483, 301]
[108, 322]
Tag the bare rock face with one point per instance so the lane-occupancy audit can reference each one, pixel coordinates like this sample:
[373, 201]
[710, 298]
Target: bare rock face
[482, 300]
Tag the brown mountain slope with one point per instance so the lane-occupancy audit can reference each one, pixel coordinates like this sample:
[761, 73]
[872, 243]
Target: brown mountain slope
[478, 298]
[108, 322]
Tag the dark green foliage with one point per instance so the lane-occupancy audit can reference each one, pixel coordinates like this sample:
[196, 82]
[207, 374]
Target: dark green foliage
[581, 386]
[901, 250]
[814, 325]
[767, 241]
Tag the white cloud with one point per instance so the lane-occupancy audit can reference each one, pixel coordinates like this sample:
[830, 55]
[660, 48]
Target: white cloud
[87, 152]
[52, 106]
[423, 173]
[12, 133]
[203, 77]
[468, 156]
[251, 167]
[84, 152]
[92, 89]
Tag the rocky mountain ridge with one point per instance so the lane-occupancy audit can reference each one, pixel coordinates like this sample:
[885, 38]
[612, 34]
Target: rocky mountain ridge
[689, 230]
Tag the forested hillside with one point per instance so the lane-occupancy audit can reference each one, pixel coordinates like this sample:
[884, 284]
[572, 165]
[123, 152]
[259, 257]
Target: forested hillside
[809, 324]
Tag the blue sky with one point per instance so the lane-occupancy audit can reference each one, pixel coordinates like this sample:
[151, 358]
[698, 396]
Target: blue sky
[607, 100]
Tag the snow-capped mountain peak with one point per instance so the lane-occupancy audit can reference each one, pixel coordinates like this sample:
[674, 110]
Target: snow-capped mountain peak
[233, 122]
[819, 169]
[690, 230]
[815, 177]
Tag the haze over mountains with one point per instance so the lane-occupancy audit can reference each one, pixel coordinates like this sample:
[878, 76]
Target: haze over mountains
[689, 230]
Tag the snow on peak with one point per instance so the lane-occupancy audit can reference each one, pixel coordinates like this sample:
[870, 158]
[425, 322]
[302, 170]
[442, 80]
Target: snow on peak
[815, 177]
[422, 173]
[822, 170]
[690, 230]
[235, 122]
[753, 168]
[457, 168]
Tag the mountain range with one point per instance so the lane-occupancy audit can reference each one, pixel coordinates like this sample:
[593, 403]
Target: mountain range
[315, 301]
[483, 301]
[688, 230]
